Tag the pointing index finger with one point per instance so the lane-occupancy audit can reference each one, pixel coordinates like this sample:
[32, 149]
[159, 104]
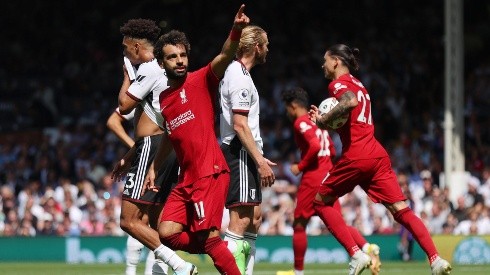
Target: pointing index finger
[240, 11]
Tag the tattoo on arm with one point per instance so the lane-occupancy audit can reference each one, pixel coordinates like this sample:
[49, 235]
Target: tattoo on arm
[343, 108]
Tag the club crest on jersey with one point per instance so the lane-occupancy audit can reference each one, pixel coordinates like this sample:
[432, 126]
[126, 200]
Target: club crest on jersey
[252, 194]
[183, 97]
[303, 127]
[337, 87]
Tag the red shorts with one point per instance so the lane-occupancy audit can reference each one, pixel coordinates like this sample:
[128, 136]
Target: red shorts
[305, 196]
[375, 176]
[198, 205]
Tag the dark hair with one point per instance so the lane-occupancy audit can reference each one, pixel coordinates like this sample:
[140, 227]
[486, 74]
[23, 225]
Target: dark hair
[141, 29]
[348, 56]
[173, 37]
[297, 94]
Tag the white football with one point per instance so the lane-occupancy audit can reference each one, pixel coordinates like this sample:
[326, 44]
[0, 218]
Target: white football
[328, 105]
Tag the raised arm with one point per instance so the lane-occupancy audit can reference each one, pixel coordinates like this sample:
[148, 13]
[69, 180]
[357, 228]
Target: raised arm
[228, 52]
[115, 124]
[126, 103]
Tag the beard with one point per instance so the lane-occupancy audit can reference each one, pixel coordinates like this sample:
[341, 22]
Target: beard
[260, 59]
[172, 74]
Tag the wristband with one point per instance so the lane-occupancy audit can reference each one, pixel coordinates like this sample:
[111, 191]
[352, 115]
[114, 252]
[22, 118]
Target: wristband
[235, 34]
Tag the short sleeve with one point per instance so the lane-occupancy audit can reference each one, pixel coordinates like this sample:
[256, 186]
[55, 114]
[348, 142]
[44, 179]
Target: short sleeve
[337, 88]
[126, 117]
[240, 90]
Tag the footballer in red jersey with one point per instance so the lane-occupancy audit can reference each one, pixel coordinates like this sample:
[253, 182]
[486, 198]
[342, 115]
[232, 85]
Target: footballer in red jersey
[363, 162]
[317, 151]
[194, 209]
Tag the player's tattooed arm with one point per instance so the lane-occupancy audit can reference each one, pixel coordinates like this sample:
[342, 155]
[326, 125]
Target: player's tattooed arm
[347, 102]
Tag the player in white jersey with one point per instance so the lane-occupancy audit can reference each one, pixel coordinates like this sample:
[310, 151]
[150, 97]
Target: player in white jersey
[242, 147]
[140, 204]
[133, 246]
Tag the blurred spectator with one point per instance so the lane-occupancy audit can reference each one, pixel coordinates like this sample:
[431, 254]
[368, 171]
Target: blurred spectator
[61, 144]
[472, 197]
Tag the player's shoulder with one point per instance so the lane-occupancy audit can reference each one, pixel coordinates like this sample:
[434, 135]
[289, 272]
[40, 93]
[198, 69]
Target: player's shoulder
[303, 124]
[236, 70]
[150, 68]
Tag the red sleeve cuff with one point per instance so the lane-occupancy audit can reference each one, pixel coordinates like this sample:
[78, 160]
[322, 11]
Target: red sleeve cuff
[301, 166]
[239, 111]
[133, 97]
[121, 116]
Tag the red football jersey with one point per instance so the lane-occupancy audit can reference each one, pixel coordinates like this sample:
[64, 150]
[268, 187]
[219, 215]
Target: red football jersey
[316, 147]
[189, 112]
[357, 134]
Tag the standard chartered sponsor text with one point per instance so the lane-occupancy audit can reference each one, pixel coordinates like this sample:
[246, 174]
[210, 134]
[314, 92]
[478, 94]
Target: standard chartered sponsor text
[181, 119]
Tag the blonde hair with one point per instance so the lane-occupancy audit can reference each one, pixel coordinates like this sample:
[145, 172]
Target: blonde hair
[251, 36]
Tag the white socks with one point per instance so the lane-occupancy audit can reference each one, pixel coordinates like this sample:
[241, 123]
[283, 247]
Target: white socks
[250, 238]
[299, 272]
[169, 257]
[133, 253]
[231, 239]
[150, 260]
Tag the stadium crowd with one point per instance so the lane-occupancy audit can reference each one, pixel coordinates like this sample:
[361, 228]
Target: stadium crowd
[56, 154]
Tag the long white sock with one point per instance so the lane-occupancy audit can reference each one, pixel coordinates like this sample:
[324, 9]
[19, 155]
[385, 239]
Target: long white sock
[231, 238]
[133, 253]
[251, 238]
[169, 257]
[299, 272]
[150, 260]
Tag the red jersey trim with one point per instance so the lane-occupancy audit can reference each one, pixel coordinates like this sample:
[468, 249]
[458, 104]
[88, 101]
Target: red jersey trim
[240, 111]
[242, 203]
[119, 114]
[133, 97]
[140, 201]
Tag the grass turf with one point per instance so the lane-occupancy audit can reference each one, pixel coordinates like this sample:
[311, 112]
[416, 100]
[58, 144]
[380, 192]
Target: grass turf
[411, 268]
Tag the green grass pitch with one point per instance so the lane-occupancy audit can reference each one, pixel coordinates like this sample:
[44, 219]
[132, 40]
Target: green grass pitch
[411, 268]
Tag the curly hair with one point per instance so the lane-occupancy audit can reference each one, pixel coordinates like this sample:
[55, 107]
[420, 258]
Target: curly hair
[141, 29]
[297, 95]
[173, 37]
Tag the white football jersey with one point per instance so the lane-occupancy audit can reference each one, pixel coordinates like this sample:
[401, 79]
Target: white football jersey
[239, 95]
[151, 80]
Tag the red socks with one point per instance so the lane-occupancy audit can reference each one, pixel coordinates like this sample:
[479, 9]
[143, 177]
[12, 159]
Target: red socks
[407, 218]
[300, 243]
[223, 259]
[336, 225]
[358, 238]
[184, 241]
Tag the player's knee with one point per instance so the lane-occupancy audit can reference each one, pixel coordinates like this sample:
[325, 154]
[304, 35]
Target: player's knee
[323, 200]
[127, 225]
[257, 221]
[300, 224]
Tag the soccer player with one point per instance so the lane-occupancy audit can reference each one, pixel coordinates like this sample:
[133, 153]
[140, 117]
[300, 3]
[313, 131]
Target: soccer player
[363, 162]
[138, 206]
[133, 246]
[194, 208]
[317, 150]
[242, 146]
